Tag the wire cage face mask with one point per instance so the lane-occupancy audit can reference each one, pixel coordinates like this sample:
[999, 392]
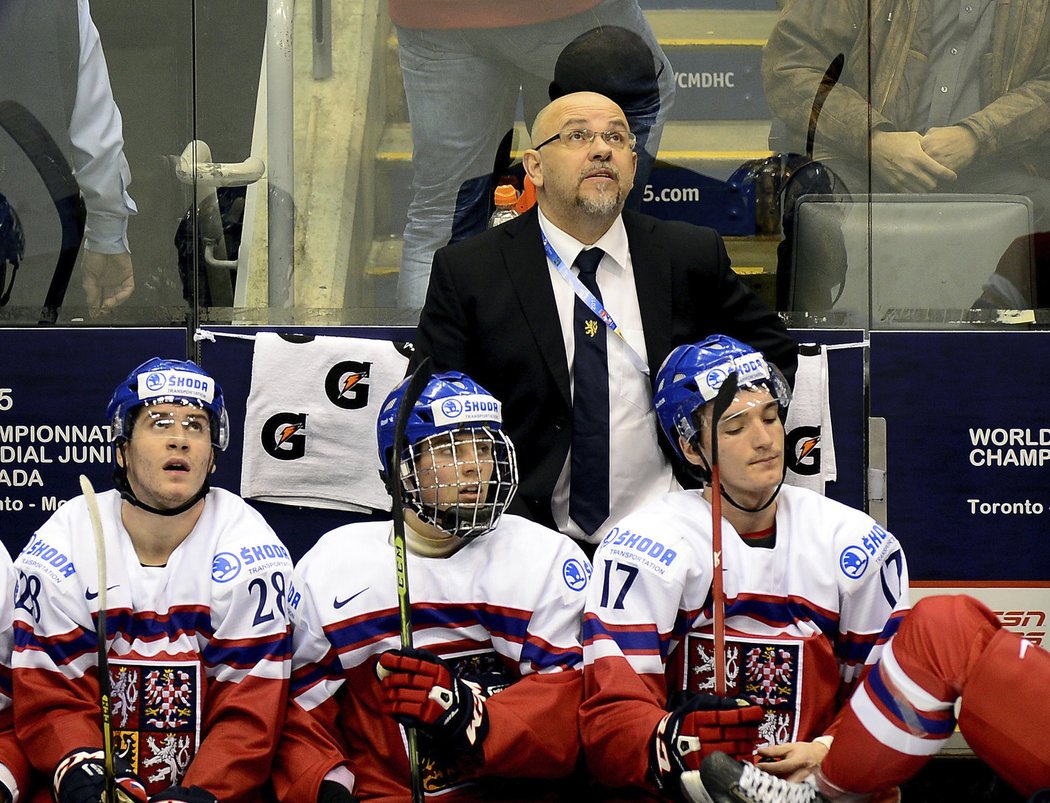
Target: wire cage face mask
[461, 480]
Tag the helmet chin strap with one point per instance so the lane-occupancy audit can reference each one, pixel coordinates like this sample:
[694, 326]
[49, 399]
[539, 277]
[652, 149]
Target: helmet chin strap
[451, 518]
[738, 506]
[120, 482]
[730, 499]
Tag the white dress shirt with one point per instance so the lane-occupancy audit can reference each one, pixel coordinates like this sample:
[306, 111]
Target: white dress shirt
[96, 131]
[639, 470]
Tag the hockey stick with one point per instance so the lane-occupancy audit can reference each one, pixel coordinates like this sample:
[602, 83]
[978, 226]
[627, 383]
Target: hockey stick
[827, 83]
[104, 690]
[416, 385]
[725, 396]
[54, 170]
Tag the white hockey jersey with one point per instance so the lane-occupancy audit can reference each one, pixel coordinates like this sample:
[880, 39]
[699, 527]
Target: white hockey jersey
[14, 767]
[198, 650]
[504, 610]
[802, 619]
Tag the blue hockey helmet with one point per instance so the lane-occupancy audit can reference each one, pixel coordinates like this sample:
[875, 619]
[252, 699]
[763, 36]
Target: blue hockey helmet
[692, 374]
[12, 246]
[450, 404]
[160, 381]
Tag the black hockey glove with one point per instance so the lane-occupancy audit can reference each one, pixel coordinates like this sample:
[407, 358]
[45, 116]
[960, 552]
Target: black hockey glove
[333, 792]
[699, 725]
[421, 690]
[182, 794]
[81, 778]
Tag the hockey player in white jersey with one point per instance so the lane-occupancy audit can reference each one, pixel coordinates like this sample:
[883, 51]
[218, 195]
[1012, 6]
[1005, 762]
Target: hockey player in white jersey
[14, 766]
[197, 634]
[493, 683]
[812, 589]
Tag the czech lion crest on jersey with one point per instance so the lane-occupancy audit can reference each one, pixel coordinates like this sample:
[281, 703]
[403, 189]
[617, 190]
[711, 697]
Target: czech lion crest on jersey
[155, 707]
[768, 672]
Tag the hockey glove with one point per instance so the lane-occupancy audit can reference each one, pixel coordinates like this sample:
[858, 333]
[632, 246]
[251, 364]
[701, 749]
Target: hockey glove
[334, 792]
[702, 724]
[421, 690]
[182, 794]
[81, 778]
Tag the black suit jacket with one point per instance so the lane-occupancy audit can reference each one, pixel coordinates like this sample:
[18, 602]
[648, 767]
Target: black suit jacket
[490, 312]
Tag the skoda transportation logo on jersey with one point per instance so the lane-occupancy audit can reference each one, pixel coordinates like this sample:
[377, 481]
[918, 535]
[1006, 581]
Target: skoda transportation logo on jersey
[345, 386]
[854, 562]
[283, 436]
[803, 450]
[576, 574]
[224, 567]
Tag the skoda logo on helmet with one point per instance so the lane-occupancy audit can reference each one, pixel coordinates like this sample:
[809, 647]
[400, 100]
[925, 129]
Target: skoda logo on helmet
[715, 377]
[154, 381]
[453, 408]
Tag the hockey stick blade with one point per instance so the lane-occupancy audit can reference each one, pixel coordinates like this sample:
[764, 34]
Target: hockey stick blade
[104, 690]
[726, 394]
[416, 385]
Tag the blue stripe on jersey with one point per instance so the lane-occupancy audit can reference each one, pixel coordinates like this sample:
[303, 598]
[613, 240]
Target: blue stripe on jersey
[783, 613]
[61, 652]
[354, 633]
[855, 649]
[149, 626]
[630, 640]
[500, 622]
[311, 674]
[244, 654]
[539, 656]
[938, 726]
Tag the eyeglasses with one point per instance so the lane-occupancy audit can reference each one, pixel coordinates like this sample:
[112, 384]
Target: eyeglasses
[576, 138]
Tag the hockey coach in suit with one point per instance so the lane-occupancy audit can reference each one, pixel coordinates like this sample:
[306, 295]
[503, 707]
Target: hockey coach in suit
[531, 307]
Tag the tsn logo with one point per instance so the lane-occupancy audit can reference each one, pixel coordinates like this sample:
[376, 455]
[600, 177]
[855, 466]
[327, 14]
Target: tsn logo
[1028, 624]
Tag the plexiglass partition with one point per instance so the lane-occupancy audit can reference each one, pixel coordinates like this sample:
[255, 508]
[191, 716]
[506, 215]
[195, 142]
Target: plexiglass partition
[870, 164]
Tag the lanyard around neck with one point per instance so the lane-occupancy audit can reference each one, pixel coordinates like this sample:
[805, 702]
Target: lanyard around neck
[592, 302]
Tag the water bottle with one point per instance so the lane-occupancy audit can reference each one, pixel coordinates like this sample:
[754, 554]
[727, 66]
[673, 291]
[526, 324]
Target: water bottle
[504, 198]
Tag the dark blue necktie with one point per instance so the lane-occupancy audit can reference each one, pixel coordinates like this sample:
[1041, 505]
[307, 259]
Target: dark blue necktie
[589, 471]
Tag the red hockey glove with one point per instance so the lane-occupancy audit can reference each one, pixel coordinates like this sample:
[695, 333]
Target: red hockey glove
[81, 778]
[421, 690]
[182, 794]
[703, 724]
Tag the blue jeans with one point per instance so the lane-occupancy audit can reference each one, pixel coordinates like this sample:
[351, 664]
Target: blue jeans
[462, 89]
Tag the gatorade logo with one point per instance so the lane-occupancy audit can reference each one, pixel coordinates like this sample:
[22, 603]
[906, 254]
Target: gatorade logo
[345, 386]
[284, 436]
[803, 450]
